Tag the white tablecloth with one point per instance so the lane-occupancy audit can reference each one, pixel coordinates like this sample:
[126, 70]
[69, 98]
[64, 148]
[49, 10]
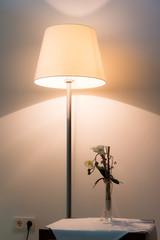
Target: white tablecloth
[94, 229]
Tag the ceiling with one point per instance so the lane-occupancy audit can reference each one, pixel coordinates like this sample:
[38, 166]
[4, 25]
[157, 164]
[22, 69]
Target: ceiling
[129, 37]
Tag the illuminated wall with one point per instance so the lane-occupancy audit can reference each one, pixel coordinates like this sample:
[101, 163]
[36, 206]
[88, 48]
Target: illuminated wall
[123, 114]
[33, 163]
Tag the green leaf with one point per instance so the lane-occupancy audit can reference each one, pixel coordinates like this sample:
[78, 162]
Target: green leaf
[114, 180]
[97, 181]
[102, 170]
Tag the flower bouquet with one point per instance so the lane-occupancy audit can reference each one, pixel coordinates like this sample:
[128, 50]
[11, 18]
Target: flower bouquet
[104, 163]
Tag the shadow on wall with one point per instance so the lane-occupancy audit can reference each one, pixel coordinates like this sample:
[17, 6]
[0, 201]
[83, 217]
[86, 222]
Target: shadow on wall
[142, 98]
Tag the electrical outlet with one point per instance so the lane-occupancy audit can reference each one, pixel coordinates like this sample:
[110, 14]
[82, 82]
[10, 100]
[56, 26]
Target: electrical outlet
[18, 223]
[21, 223]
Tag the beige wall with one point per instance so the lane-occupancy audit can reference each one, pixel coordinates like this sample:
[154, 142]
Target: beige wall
[123, 114]
[33, 161]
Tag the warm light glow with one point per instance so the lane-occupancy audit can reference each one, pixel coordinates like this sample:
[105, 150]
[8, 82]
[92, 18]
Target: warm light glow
[70, 52]
[77, 8]
[77, 82]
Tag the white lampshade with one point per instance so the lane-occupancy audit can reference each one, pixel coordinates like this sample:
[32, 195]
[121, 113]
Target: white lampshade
[70, 52]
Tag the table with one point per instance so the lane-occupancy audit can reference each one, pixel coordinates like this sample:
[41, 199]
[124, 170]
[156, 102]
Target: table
[94, 229]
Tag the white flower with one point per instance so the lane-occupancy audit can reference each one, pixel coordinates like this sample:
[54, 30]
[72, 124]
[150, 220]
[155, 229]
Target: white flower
[88, 164]
[99, 149]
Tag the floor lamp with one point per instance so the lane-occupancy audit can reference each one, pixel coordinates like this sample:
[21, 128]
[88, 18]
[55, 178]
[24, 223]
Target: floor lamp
[69, 58]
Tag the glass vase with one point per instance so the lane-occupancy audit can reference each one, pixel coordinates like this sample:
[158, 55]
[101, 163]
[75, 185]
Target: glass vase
[107, 212]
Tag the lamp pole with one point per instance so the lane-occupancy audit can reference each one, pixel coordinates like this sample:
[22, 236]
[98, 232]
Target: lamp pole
[68, 193]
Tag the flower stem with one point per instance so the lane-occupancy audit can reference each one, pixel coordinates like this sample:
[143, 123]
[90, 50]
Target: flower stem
[105, 167]
[108, 159]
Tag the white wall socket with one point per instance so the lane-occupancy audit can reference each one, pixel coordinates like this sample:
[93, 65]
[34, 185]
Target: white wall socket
[21, 223]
